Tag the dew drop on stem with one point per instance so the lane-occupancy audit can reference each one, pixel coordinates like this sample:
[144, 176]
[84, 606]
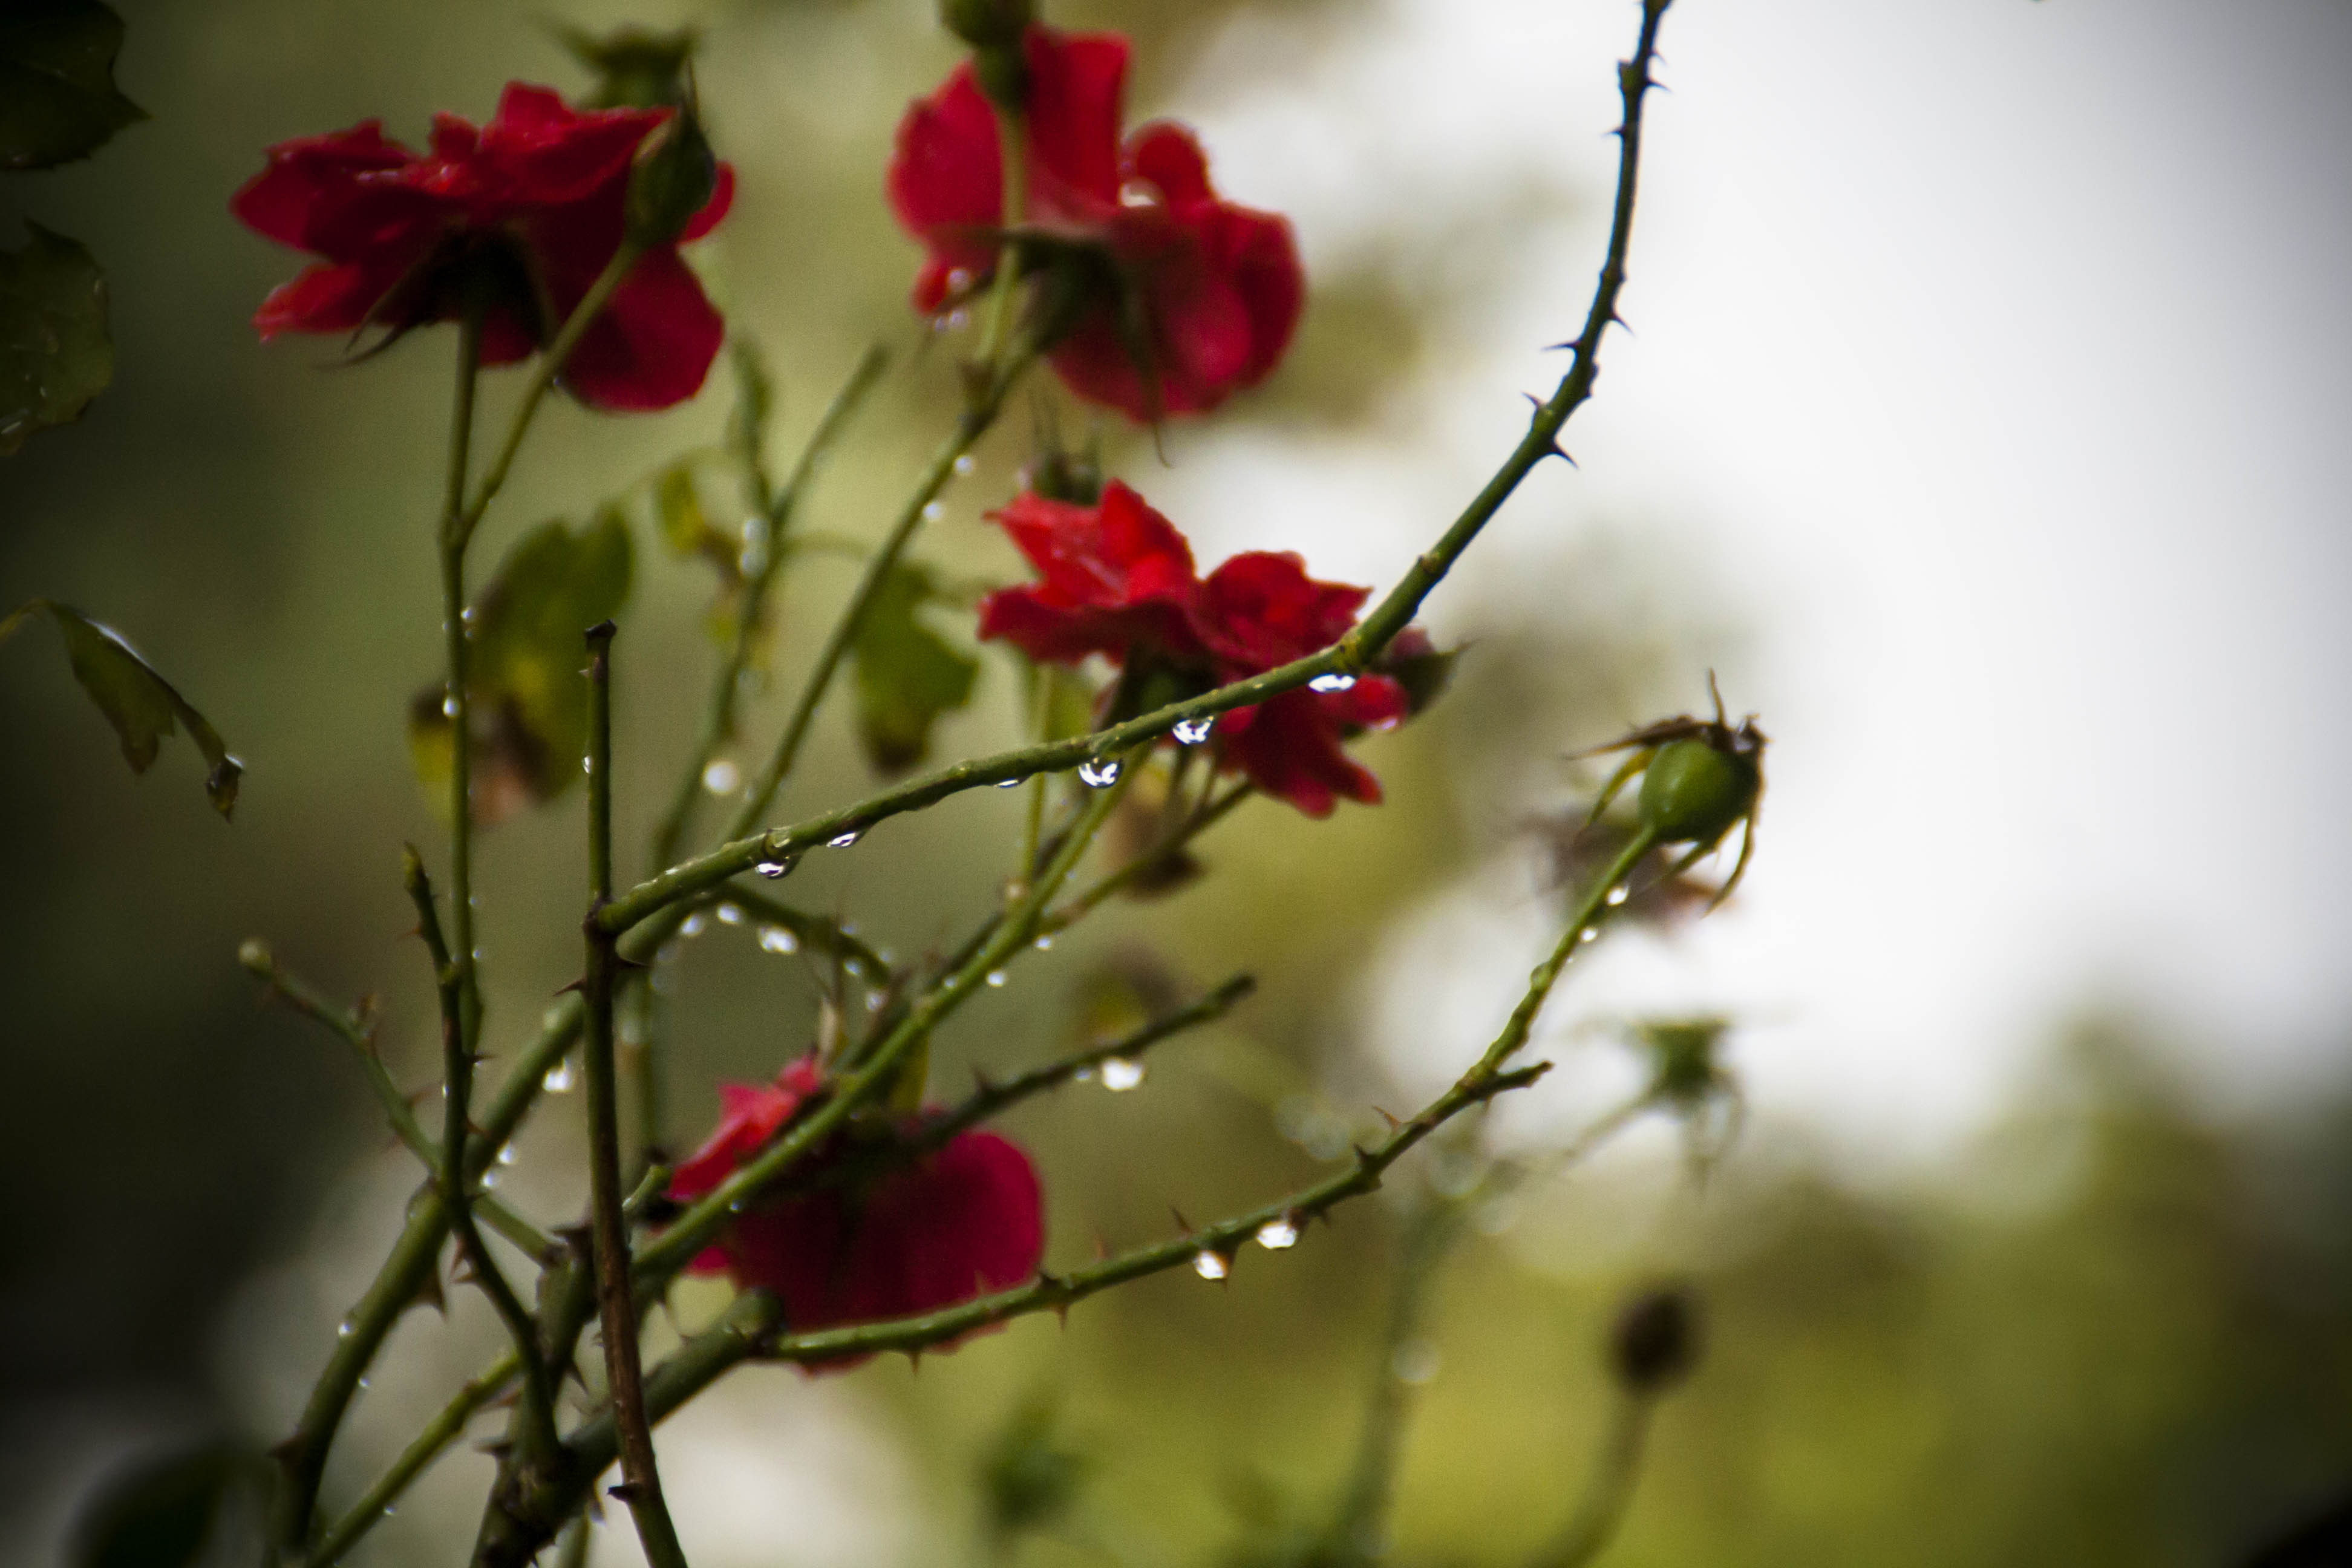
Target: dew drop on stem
[1120, 1075]
[1333, 682]
[721, 777]
[965, 464]
[773, 870]
[1618, 894]
[559, 1077]
[1193, 731]
[844, 840]
[1276, 1235]
[1044, 944]
[694, 924]
[1014, 783]
[997, 977]
[934, 510]
[1099, 772]
[1210, 1264]
[730, 914]
[776, 939]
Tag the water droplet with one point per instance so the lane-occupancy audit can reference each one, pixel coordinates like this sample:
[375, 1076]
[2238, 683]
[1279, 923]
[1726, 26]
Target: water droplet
[1619, 894]
[390, 1508]
[735, 1207]
[934, 510]
[1415, 1361]
[959, 279]
[1120, 1075]
[844, 840]
[1014, 783]
[506, 1154]
[1099, 772]
[559, 1077]
[964, 465]
[721, 777]
[1212, 1265]
[343, 1330]
[730, 914]
[694, 924]
[959, 319]
[449, 707]
[1334, 683]
[467, 615]
[874, 1001]
[1590, 933]
[776, 939]
[588, 765]
[490, 1180]
[1044, 944]
[364, 1383]
[771, 870]
[1083, 1075]
[997, 977]
[1276, 1235]
[1193, 731]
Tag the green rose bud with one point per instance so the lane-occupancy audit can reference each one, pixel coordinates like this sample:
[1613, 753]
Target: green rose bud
[986, 24]
[1656, 1341]
[670, 179]
[1695, 792]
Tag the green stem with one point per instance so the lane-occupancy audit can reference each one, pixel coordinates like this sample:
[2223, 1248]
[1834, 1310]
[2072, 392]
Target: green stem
[971, 426]
[1013, 159]
[457, 1190]
[426, 1447]
[1607, 1491]
[726, 691]
[1086, 900]
[1359, 1528]
[543, 375]
[1350, 656]
[360, 1034]
[623, 1372]
[688, 1233]
[458, 702]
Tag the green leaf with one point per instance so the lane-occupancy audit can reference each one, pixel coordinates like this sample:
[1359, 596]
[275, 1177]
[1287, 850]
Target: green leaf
[58, 97]
[142, 705]
[686, 527]
[54, 353]
[156, 1513]
[907, 675]
[529, 717]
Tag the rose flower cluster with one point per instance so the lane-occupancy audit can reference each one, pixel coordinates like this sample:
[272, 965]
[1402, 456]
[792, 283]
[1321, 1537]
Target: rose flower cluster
[1145, 292]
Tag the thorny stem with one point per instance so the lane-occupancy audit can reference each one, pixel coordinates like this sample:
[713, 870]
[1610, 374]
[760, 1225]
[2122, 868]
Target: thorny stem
[642, 1481]
[648, 913]
[358, 1031]
[426, 1447]
[991, 1099]
[688, 1235]
[1350, 656]
[456, 1195]
[458, 704]
[752, 1328]
[543, 375]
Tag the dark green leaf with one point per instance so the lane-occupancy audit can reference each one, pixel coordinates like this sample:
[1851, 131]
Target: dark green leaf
[529, 717]
[58, 97]
[142, 705]
[54, 353]
[907, 675]
[155, 1513]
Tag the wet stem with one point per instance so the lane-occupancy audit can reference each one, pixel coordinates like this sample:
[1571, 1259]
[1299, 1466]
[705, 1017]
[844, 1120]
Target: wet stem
[623, 1372]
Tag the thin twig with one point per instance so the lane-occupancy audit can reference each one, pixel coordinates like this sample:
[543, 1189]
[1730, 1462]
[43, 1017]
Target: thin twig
[359, 1032]
[1608, 1490]
[423, 1449]
[456, 1195]
[641, 1485]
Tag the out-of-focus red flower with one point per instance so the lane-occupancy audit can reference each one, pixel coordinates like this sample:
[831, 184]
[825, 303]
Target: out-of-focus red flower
[963, 1220]
[1116, 579]
[1187, 297]
[528, 208]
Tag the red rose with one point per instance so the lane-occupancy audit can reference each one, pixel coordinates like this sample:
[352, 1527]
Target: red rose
[529, 207]
[963, 1220]
[1116, 579]
[1194, 297]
